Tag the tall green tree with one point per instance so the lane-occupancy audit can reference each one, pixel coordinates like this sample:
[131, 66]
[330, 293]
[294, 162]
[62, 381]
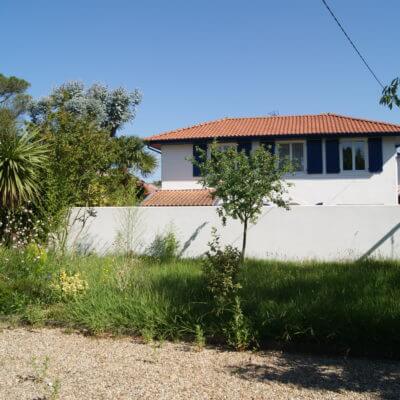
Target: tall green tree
[109, 109]
[97, 109]
[131, 156]
[14, 100]
[243, 182]
[81, 156]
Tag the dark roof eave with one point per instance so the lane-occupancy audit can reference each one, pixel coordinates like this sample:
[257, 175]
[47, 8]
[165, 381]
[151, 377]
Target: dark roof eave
[156, 144]
[156, 148]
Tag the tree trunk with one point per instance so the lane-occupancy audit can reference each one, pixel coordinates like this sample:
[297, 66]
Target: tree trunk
[244, 238]
[113, 132]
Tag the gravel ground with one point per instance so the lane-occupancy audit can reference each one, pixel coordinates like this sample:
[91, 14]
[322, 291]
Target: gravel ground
[39, 363]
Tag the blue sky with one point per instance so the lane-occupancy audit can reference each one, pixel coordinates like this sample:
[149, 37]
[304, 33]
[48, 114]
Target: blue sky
[200, 60]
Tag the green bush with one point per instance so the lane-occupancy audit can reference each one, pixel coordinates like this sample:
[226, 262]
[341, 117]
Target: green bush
[221, 269]
[25, 279]
[164, 247]
[21, 227]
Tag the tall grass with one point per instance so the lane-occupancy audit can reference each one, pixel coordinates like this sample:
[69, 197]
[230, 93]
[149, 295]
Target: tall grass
[354, 306]
[346, 307]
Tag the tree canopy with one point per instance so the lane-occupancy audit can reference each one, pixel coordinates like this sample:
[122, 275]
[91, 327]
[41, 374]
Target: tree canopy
[68, 154]
[81, 125]
[131, 155]
[13, 99]
[390, 97]
[109, 109]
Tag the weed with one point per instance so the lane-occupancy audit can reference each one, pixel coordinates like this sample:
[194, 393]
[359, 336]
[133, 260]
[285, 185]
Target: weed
[40, 377]
[200, 339]
[238, 334]
[35, 315]
[165, 247]
[148, 334]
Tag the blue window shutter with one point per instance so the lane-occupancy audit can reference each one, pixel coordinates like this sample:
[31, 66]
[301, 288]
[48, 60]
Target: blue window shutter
[246, 146]
[332, 156]
[375, 154]
[270, 146]
[314, 156]
[196, 155]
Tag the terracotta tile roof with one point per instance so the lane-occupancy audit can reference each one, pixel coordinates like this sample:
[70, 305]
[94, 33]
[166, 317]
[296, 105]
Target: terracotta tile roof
[190, 197]
[276, 125]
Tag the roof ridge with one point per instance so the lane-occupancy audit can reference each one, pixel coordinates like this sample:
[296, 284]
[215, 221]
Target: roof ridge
[375, 121]
[190, 127]
[183, 190]
[278, 116]
[231, 119]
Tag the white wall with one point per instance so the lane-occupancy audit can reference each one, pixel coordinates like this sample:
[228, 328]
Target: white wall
[343, 188]
[176, 170]
[304, 232]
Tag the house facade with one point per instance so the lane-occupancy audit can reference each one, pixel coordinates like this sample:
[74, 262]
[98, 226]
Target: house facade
[339, 160]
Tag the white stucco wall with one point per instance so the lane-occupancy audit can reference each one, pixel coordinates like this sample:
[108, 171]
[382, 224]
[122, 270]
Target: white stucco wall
[304, 232]
[176, 170]
[359, 187]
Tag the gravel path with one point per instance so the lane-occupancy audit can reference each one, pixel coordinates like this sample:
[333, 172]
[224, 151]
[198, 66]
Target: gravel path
[39, 363]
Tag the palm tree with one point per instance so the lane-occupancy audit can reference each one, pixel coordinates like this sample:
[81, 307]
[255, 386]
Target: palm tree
[131, 156]
[23, 157]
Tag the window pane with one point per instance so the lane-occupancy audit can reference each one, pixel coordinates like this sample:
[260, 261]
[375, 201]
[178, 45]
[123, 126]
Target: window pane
[298, 156]
[359, 149]
[284, 153]
[347, 155]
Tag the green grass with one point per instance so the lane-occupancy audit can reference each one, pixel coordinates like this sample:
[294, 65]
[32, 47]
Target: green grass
[337, 306]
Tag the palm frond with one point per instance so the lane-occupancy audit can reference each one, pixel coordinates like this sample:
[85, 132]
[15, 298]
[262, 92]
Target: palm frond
[22, 160]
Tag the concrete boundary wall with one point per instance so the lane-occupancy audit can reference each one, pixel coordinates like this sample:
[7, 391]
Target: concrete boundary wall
[303, 232]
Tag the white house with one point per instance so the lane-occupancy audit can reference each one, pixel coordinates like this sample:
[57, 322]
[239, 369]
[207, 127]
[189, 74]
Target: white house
[340, 160]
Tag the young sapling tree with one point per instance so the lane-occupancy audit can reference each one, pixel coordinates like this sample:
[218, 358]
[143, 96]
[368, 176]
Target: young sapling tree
[243, 182]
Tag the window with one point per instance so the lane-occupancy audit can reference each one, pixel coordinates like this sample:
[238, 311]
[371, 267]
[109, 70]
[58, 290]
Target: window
[353, 153]
[294, 152]
[222, 147]
[225, 146]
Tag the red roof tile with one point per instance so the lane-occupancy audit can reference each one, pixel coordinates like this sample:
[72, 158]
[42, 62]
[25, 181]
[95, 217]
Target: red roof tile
[190, 197]
[276, 125]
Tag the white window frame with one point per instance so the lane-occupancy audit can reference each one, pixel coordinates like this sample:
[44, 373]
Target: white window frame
[353, 155]
[290, 142]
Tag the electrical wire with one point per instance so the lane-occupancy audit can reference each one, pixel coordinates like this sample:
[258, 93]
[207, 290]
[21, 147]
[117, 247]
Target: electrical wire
[352, 43]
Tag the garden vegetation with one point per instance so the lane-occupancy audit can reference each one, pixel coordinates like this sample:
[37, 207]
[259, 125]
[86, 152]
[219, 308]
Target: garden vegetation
[346, 308]
[67, 154]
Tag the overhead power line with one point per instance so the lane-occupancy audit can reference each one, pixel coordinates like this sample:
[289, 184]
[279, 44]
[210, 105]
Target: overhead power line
[352, 43]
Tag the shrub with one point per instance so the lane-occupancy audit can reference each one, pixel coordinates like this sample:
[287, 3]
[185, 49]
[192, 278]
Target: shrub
[25, 278]
[221, 268]
[20, 227]
[164, 247]
[23, 157]
[34, 315]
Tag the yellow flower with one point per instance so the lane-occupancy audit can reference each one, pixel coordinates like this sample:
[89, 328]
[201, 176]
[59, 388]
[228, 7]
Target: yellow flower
[70, 285]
